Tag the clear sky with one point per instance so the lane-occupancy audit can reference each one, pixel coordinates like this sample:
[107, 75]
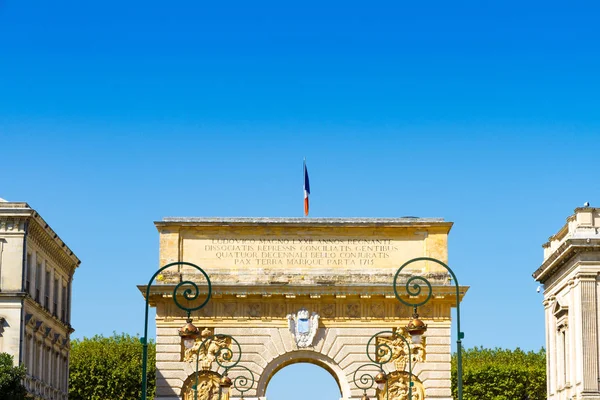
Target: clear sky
[116, 114]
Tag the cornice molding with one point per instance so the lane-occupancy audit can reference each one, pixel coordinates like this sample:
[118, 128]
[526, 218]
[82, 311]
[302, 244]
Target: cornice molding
[446, 294]
[41, 331]
[565, 252]
[19, 218]
[55, 248]
[36, 308]
[221, 222]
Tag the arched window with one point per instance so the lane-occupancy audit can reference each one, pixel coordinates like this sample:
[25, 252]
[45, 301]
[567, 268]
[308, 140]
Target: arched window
[2, 322]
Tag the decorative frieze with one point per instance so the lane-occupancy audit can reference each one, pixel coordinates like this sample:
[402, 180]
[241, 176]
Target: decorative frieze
[352, 310]
[277, 307]
[53, 248]
[328, 310]
[377, 310]
[12, 225]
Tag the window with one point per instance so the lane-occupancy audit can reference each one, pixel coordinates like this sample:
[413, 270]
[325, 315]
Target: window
[47, 364]
[65, 374]
[55, 379]
[31, 361]
[68, 304]
[28, 274]
[36, 359]
[38, 280]
[63, 304]
[47, 291]
[55, 298]
[565, 355]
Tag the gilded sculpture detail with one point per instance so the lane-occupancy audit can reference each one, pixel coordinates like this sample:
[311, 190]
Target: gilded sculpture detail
[207, 349]
[398, 387]
[399, 349]
[207, 388]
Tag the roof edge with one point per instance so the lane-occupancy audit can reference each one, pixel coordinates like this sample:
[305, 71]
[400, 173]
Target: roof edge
[10, 209]
[299, 221]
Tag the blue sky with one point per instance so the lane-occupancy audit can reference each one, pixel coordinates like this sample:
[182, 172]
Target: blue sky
[116, 114]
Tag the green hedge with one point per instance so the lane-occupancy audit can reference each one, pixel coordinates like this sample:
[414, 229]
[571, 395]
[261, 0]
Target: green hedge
[500, 374]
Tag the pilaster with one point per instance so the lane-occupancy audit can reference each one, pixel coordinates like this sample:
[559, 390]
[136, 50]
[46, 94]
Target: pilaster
[589, 333]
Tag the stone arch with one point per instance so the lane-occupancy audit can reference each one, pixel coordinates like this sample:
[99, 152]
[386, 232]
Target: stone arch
[305, 356]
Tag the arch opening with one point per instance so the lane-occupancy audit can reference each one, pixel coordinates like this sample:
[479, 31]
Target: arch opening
[303, 379]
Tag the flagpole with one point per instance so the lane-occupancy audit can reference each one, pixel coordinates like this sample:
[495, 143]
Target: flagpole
[303, 169]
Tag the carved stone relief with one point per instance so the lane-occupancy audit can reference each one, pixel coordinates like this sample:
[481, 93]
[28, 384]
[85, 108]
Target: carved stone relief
[278, 310]
[303, 327]
[402, 311]
[254, 310]
[206, 311]
[398, 388]
[377, 310]
[206, 349]
[353, 310]
[328, 310]
[229, 309]
[399, 349]
[207, 387]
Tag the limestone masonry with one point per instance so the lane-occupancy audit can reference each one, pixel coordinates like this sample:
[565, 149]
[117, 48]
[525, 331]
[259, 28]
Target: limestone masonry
[570, 274]
[36, 271]
[265, 271]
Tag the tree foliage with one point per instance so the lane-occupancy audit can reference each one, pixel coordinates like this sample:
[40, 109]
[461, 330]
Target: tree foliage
[500, 374]
[11, 378]
[109, 368]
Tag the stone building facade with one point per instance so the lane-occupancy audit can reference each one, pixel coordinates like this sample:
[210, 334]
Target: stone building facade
[36, 271]
[570, 276]
[266, 272]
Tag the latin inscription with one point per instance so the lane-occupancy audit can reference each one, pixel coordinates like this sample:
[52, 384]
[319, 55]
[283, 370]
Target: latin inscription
[300, 252]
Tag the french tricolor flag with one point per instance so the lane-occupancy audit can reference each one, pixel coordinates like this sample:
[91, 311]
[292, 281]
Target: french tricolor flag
[306, 189]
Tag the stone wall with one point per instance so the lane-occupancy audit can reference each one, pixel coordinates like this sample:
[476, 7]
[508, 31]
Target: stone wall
[264, 269]
[570, 274]
[340, 350]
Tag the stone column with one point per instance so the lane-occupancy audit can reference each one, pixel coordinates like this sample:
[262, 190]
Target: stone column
[549, 347]
[560, 357]
[589, 331]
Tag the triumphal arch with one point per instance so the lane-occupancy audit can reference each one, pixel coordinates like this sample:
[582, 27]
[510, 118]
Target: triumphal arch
[303, 290]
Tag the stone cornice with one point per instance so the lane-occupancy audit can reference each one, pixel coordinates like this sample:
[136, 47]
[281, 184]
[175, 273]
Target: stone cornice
[39, 329]
[568, 249]
[19, 215]
[47, 315]
[62, 256]
[322, 222]
[19, 295]
[562, 232]
[446, 292]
